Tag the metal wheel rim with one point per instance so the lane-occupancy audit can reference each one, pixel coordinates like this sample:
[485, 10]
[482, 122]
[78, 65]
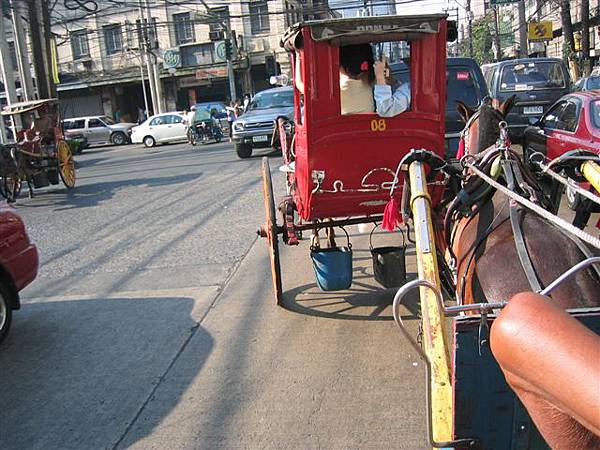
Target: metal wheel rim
[148, 141]
[66, 164]
[118, 139]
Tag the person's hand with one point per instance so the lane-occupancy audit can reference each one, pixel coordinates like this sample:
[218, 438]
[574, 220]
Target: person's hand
[380, 68]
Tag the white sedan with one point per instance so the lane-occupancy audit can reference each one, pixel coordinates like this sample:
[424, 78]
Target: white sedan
[160, 129]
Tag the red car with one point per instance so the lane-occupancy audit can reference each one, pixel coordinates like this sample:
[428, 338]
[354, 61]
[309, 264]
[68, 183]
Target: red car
[573, 122]
[18, 265]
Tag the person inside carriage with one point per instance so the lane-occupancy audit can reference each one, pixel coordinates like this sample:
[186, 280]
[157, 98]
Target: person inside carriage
[365, 86]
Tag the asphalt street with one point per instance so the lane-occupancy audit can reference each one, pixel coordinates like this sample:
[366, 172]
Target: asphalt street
[152, 324]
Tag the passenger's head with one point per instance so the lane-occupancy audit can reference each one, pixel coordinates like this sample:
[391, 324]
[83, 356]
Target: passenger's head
[356, 61]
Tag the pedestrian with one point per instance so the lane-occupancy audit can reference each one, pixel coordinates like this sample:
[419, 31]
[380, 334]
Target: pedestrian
[141, 115]
[118, 116]
[231, 117]
[246, 102]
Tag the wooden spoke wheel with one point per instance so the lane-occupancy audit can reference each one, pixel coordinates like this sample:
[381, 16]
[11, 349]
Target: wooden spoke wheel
[10, 188]
[66, 164]
[271, 230]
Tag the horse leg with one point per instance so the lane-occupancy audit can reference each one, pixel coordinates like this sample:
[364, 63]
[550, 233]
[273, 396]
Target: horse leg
[560, 388]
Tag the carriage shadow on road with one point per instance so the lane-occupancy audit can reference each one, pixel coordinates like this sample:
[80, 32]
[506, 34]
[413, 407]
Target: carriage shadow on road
[77, 374]
[363, 301]
[90, 195]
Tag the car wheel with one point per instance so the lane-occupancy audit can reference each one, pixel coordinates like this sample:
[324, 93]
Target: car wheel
[573, 198]
[243, 150]
[118, 138]
[149, 141]
[5, 312]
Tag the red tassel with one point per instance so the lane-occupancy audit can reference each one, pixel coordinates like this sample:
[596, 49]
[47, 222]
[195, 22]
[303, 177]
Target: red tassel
[461, 148]
[391, 215]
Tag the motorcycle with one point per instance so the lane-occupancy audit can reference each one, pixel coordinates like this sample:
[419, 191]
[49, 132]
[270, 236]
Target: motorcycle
[205, 131]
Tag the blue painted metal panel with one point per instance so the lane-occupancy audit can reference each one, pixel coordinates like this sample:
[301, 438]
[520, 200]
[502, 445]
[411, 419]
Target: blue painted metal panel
[484, 405]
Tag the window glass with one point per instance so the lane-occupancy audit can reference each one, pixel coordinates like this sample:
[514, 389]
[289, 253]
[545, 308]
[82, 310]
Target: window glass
[95, 123]
[461, 86]
[74, 124]
[595, 113]
[184, 28]
[157, 121]
[551, 118]
[79, 44]
[272, 99]
[259, 16]
[113, 39]
[593, 83]
[176, 119]
[107, 120]
[532, 76]
[357, 78]
[568, 116]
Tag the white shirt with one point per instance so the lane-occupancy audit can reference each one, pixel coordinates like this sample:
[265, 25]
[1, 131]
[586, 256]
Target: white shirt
[388, 104]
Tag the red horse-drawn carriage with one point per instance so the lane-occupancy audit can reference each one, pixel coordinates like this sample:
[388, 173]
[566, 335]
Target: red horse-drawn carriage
[344, 169]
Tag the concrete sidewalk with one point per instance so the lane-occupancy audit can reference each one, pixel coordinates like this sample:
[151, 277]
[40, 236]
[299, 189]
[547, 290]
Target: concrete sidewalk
[330, 370]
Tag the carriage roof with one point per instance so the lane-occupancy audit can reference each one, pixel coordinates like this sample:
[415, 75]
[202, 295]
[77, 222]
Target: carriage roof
[21, 107]
[360, 30]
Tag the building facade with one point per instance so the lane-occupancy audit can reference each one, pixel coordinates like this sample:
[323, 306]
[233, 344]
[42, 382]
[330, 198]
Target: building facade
[100, 63]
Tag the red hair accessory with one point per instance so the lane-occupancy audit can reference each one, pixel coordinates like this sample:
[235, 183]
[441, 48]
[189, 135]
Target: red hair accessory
[364, 66]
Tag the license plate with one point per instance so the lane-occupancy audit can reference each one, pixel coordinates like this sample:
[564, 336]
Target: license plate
[533, 110]
[260, 138]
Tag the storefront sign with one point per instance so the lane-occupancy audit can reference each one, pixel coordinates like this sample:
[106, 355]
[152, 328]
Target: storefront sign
[172, 59]
[213, 72]
[539, 31]
[503, 2]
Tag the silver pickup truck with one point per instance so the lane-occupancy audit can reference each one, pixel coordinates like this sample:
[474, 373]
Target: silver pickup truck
[254, 128]
[99, 129]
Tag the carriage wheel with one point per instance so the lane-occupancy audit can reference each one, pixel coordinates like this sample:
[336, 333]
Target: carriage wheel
[10, 188]
[66, 165]
[271, 229]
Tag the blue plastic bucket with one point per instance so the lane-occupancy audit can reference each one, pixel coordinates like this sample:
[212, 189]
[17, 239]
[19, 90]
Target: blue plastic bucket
[333, 267]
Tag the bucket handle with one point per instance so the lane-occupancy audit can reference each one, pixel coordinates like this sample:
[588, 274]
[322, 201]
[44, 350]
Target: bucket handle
[371, 237]
[315, 246]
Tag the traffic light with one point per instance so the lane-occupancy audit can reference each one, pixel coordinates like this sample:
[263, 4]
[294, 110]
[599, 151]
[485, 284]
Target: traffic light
[228, 49]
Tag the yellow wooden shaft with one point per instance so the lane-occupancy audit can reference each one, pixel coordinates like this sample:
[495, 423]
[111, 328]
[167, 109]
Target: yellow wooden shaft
[591, 172]
[434, 325]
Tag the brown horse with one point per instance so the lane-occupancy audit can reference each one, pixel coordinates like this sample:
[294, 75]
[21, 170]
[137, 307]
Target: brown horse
[501, 249]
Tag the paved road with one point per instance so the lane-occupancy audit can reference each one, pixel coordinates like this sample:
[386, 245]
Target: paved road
[151, 323]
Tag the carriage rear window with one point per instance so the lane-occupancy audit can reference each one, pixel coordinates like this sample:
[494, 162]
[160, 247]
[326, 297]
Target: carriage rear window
[532, 76]
[357, 78]
[595, 113]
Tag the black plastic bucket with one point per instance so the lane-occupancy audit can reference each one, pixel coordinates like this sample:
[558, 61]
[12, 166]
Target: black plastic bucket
[389, 265]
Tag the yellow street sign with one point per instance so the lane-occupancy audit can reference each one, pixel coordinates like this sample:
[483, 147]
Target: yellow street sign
[540, 31]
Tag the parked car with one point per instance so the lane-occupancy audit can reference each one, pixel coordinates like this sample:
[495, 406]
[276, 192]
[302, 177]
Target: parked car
[254, 128]
[587, 84]
[98, 129]
[573, 122]
[537, 83]
[160, 129]
[465, 82]
[18, 265]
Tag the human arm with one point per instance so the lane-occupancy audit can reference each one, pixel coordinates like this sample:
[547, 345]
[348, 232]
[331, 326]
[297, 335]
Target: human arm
[388, 104]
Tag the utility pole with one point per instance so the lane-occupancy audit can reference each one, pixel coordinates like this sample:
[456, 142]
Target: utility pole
[8, 77]
[21, 50]
[38, 49]
[469, 15]
[143, 41]
[585, 36]
[495, 15]
[524, 49]
[155, 68]
[48, 43]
